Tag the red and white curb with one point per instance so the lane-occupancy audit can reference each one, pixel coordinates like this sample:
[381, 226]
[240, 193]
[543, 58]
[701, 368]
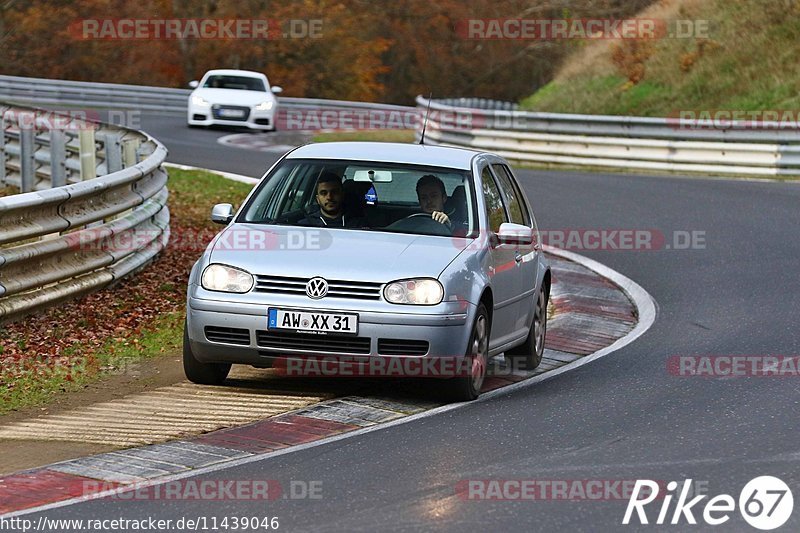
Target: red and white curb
[598, 311]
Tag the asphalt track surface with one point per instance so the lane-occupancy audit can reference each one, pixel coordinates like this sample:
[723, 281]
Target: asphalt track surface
[622, 417]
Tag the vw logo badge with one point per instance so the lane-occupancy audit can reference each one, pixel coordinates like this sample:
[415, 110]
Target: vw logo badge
[316, 288]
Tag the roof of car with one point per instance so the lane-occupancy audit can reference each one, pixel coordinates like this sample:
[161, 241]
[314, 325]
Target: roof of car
[234, 72]
[416, 154]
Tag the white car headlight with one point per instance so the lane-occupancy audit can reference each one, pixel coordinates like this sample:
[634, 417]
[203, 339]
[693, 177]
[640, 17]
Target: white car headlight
[265, 106]
[223, 278]
[414, 291]
[200, 101]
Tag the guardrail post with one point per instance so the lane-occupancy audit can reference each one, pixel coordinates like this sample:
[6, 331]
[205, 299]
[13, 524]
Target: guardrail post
[2, 147]
[58, 158]
[129, 152]
[87, 153]
[113, 152]
[144, 150]
[27, 149]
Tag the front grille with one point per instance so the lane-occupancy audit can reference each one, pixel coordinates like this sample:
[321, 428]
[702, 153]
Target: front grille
[313, 343]
[219, 112]
[359, 290]
[402, 347]
[228, 335]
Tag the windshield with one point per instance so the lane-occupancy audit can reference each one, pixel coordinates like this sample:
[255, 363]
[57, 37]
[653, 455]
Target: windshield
[244, 83]
[375, 196]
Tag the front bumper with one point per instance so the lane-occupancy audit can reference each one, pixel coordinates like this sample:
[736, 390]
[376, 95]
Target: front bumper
[447, 333]
[256, 120]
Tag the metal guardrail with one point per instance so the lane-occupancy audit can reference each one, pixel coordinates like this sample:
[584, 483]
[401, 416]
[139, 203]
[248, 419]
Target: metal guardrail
[478, 103]
[635, 143]
[107, 219]
[44, 149]
[41, 91]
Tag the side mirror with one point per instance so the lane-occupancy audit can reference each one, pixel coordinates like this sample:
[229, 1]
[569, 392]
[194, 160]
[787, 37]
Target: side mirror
[222, 213]
[276, 89]
[194, 84]
[514, 234]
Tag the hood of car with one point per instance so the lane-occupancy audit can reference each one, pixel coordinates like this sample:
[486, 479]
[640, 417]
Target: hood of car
[340, 254]
[233, 96]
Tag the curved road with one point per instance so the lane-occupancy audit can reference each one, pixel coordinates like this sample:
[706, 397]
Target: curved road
[622, 417]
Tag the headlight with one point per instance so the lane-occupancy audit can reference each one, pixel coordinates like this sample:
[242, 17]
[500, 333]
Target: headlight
[265, 106]
[226, 279]
[200, 101]
[414, 291]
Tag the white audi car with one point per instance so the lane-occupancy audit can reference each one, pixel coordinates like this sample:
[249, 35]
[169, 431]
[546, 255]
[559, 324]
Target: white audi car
[233, 98]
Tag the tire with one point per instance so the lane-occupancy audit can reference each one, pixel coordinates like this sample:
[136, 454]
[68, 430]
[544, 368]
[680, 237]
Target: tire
[201, 373]
[467, 388]
[528, 355]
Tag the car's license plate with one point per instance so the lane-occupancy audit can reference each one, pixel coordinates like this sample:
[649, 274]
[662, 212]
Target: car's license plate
[232, 113]
[310, 321]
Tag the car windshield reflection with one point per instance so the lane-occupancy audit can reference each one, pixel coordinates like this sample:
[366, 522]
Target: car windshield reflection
[363, 195]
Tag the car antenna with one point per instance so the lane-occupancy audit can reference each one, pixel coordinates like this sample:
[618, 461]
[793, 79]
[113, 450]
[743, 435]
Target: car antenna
[424, 124]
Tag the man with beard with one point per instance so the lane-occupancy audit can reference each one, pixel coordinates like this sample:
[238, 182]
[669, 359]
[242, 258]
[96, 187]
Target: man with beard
[329, 196]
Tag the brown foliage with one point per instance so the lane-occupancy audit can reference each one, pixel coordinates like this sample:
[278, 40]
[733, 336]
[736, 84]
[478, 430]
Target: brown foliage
[369, 50]
[630, 56]
[689, 59]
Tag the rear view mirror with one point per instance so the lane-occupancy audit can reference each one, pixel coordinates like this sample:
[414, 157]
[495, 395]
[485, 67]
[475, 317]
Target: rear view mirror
[222, 213]
[194, 84]
[276, 89]
[374, 176]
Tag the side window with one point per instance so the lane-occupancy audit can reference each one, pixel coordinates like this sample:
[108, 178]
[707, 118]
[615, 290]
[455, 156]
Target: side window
[512, 196]
[495, 212]
[300, 192]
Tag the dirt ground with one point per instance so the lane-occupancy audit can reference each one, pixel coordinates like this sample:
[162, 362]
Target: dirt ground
[148, 374]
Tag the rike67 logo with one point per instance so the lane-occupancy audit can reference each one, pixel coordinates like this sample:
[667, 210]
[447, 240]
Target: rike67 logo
[765, 503]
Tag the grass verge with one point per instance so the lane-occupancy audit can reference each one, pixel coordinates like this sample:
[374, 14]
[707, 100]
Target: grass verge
[8, 190]
[66, 347]
[591, 169]
[742, 57]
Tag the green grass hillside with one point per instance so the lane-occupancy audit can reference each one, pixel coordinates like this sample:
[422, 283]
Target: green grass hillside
[748, 62]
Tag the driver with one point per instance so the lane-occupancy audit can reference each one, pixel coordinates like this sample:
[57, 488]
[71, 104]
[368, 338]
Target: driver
[329, 196]
[432, 195]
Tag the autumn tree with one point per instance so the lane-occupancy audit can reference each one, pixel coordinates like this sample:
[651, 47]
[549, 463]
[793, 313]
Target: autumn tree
[366, 50]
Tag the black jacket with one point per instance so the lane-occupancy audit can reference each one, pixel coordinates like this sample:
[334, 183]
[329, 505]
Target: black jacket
[317, 219]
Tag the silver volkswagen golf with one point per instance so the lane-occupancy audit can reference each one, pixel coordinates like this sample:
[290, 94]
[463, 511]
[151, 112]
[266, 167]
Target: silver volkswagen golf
[372, 259]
